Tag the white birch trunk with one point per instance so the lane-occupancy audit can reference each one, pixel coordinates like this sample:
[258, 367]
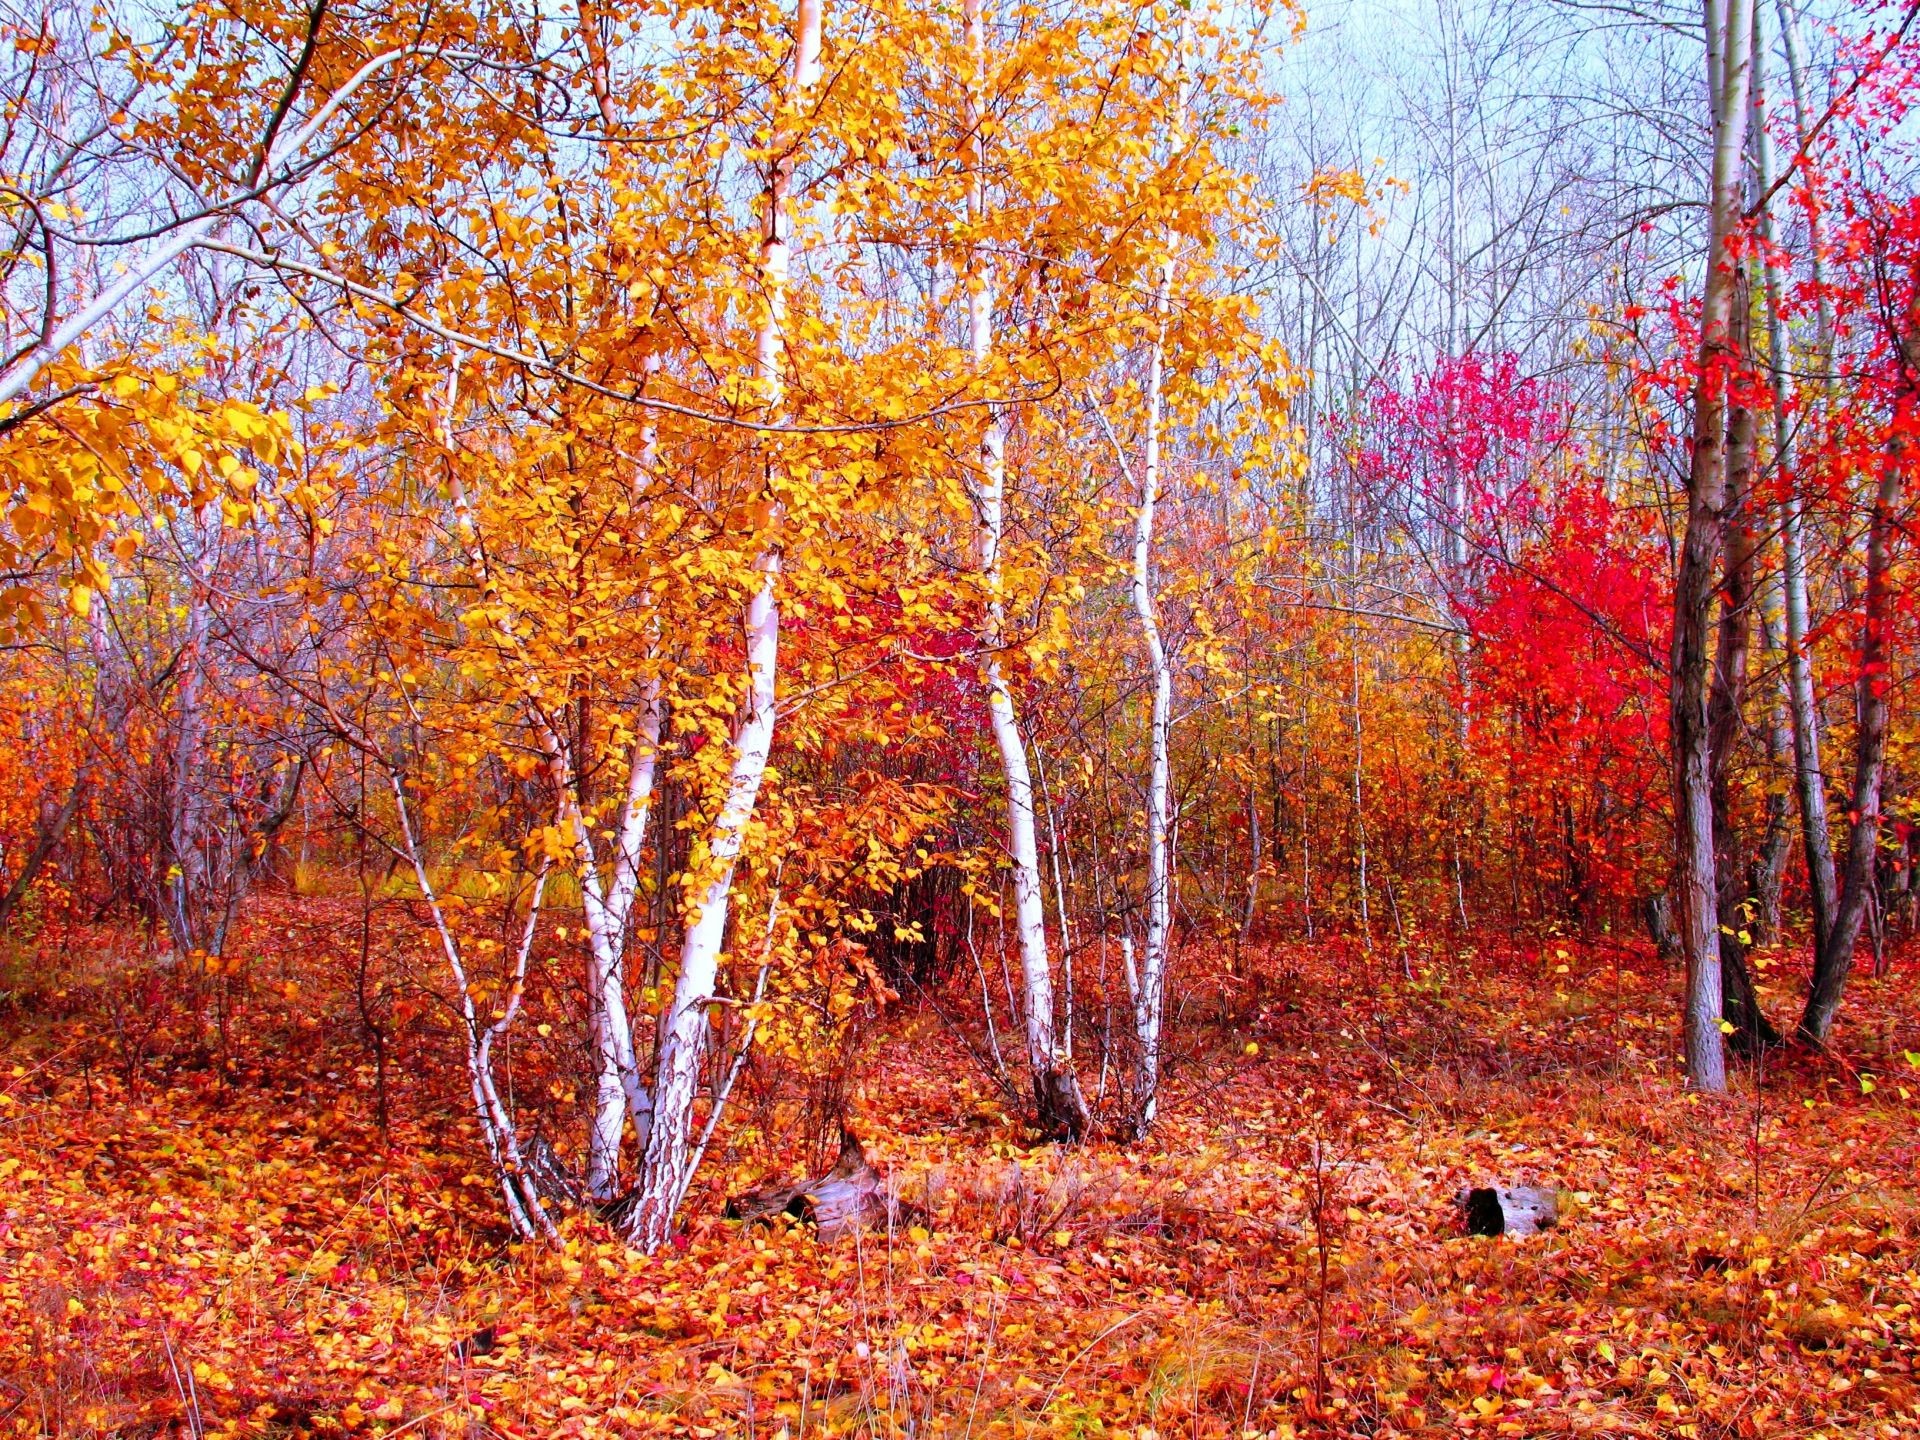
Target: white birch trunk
[525, 1212]
[1149, 1000]
[618, 1091]
[1150, 996]
[670, 1153]
[1060, 1107]
[667, 1160]
[606, 904]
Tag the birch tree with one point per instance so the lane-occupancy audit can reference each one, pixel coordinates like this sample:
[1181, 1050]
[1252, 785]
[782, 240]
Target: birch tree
[1058, 1103]
[669, 1156]
[1150, 987]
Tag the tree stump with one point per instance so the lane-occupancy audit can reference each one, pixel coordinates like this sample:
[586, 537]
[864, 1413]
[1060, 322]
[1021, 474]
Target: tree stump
[1657, 911]
[1511, 1209]
[556, 1185]
[848, 1197]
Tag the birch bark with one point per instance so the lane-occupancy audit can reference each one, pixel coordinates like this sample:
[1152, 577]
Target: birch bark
[668, 1159]
[606, 898]
[1150, 994]
[1059, 1106]
[525, 1211]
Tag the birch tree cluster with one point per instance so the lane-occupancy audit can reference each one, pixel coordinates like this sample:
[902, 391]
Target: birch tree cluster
[824, 506]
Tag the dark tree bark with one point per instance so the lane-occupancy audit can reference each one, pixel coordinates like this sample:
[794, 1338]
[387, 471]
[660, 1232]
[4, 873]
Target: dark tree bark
[53, 829]
[1657, 911]
[1833, 957]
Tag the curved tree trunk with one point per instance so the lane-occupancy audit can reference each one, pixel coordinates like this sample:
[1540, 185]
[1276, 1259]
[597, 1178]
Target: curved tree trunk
[667, 1161]
[52, 830]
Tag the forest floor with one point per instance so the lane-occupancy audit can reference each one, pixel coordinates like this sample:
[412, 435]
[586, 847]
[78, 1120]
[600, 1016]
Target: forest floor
[204, 1231]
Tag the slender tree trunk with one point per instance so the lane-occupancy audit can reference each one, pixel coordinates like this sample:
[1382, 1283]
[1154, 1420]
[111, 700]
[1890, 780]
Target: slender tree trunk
[1359, 763]
[1804, 122]
[1833, 961]
[1059, 1106]
[1306, 791]
[53, 829]
[1768, 870]
[1256, 854]
[183, 884]
[1729, 35]
[1726, 704]
[251, 851]
[619, 1093]
[1810, 782]
[667, 1162]
[525, 1210]
[1150, 999]
[606, 899]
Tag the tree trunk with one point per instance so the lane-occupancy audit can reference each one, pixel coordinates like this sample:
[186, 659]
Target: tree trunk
[1833, 961]
[1726, 703]
[1059, 1107]
[1149, 1002]
[1767, 874]
[183, 880]
[1729, 33]
[618, 1091]
[52, 829]
[526, 1211]
[1810, 783]
[1150, 997]
[606, 899]
[667, 1162]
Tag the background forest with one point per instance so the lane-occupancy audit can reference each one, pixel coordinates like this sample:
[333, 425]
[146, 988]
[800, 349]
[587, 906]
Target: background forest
[947, 719]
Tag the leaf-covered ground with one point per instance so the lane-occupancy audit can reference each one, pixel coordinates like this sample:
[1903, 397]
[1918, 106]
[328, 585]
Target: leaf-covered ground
[232, 1247]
